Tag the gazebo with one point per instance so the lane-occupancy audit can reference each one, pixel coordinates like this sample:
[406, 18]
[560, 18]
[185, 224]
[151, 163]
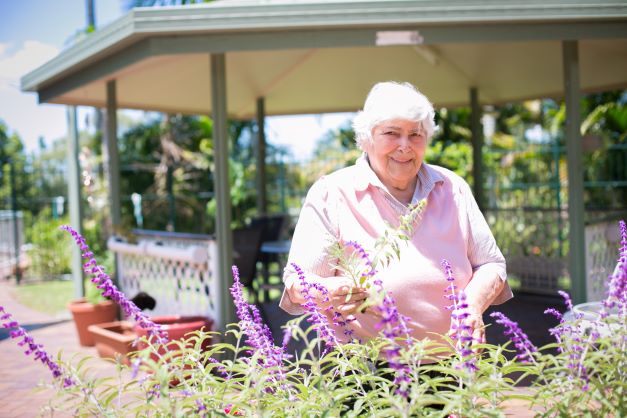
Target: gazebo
[246, 59]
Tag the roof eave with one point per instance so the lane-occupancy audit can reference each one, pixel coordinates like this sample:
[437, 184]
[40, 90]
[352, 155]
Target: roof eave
[223, 18]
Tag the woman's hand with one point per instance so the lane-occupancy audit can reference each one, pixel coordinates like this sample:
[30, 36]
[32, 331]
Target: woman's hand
[343, 295]
[475, 322]
[477, 328]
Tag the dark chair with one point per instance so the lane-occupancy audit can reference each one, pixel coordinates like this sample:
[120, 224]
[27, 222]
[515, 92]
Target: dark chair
[273, 229]
[273, 226]
[246, 250]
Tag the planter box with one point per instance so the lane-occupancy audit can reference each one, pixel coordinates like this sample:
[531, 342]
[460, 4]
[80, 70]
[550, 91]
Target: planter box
[177, 328]
[113, 338]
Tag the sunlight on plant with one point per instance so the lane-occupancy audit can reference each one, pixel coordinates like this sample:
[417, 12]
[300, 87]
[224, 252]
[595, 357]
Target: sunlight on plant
[243, 372]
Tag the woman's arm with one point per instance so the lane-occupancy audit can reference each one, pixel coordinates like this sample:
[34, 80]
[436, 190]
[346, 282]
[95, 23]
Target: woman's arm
[480, 292]
[315, 234]
[488, 285]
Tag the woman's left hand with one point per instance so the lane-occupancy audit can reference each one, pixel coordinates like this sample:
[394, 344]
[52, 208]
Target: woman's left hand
[475, 321]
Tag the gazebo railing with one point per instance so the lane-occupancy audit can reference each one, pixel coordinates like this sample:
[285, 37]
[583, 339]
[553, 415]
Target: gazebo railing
[181, 278]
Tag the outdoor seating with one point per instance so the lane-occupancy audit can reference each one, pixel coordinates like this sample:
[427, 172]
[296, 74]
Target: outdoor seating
[274, 228]
[246, 249]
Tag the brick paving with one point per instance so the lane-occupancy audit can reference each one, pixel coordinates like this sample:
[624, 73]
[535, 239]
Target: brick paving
[22, 380]
[21, 377]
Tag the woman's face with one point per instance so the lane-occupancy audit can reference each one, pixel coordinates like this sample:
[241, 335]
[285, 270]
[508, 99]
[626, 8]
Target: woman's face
[396, 152]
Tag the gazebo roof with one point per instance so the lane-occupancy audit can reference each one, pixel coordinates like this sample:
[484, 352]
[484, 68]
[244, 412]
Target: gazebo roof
[324, 55]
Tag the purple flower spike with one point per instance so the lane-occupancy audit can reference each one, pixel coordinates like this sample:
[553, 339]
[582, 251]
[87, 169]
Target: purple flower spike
[524, 347]
[369, 268]
[316, 317]
[257, 333]
[617, 287]
[459, 313]
[109, 290]
[37, 350]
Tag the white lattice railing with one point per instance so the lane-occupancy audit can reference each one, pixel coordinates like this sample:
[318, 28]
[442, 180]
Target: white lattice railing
[182, 280]
[602, 245]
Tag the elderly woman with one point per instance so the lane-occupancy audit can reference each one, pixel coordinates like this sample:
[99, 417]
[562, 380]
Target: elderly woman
[358, 203]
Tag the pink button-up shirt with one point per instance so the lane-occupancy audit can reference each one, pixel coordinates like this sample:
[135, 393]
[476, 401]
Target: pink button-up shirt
[353, 204]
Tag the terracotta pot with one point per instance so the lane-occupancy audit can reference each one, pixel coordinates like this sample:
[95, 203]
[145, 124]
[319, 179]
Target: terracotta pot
[113, 338]
[86, 314]
[177, 328]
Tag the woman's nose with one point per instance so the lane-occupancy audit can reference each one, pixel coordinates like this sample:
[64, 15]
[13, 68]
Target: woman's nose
[403, 142]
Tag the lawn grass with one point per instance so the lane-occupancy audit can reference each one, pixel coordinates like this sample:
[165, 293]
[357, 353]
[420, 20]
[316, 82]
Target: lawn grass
[49, 297]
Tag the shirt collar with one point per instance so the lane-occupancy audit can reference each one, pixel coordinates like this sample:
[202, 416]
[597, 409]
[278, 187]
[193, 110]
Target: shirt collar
[427, 178]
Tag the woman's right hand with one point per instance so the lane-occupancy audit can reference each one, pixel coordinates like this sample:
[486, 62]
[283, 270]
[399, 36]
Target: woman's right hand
[343, 295]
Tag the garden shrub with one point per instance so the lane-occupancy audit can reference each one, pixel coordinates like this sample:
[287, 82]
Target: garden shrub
[246, 374]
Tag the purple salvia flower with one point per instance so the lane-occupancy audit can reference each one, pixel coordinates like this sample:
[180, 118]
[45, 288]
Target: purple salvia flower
[186, 393]
[459, 313]
[394, 325]
[521, 341]
[369, 270]
[219, 367]
[135, 367]
[257, 333]
[617, 286]
[109, 290]
[37, 350]
[316, 317]
[569, 303]
[155, 391]
[557, 314]
[576, 348]
[287, 337]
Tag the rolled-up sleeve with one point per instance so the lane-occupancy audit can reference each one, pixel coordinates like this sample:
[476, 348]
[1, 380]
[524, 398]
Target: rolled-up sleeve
[483, 252]
[315, 233]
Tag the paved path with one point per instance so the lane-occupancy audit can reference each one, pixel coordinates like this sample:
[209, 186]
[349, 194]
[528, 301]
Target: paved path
[21, 375]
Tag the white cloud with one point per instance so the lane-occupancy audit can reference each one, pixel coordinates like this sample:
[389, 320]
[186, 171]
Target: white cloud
[30, 120]
[16, 63]
[20, 111]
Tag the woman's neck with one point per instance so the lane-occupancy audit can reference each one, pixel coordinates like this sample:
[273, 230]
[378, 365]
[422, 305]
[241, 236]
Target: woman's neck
[403, 195]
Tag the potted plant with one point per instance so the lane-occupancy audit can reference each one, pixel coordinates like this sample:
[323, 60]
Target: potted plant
[90, 310]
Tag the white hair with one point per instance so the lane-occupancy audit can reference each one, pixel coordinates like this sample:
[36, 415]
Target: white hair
[391, 100]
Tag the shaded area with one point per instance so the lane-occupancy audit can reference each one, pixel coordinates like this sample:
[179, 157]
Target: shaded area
[4, 332]
[527, 309]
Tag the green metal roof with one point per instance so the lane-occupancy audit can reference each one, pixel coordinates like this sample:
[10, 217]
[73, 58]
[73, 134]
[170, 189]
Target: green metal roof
[283, 38]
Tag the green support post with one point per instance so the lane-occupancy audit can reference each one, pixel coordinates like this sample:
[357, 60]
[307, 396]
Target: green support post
[16, 236]
[224, 234]
[74, 198]
[477, 147]
[577, 240]
[260, 156]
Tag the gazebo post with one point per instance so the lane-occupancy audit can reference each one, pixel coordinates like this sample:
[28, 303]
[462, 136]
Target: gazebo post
[260, 157]
[112, 159]
[477, 147]
[111, 165]
[576, 234]
[74, 198]
[224, 234]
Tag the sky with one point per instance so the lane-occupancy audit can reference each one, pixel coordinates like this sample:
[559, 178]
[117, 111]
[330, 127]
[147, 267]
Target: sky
[34, 31]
